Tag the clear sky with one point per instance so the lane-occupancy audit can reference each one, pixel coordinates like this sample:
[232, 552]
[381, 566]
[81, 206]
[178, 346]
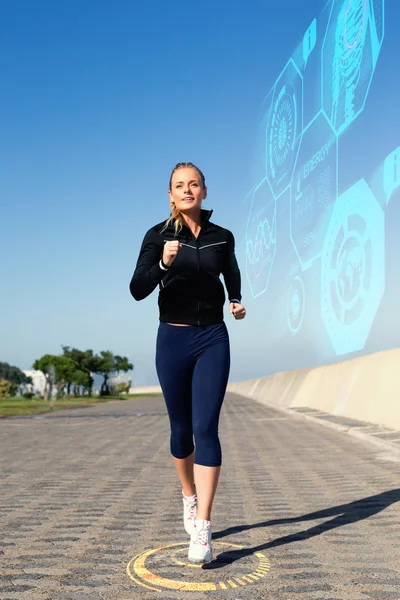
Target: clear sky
[99, 101]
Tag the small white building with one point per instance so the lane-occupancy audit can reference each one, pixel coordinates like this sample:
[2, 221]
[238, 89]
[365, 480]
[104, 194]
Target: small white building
[38, 379]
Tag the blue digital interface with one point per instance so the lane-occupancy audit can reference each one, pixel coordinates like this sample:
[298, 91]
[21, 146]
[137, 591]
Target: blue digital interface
[323, 228]
[261, 238]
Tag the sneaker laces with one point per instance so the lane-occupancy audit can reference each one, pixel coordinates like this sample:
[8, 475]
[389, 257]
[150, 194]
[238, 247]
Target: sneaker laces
[201, 536]
[192, 510]
[191, 506]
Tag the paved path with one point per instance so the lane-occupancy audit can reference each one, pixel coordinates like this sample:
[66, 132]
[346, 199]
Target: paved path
[90, 509]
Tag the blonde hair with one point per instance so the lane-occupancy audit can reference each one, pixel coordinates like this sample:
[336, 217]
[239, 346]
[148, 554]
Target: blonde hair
[176, 216]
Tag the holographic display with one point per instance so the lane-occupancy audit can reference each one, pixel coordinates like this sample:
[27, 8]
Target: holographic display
[352, 268]
[309, 41]
[284, 129]
[260, 238]
[313, 190]
[319, 219]
[391, 173]
[350, 52]
[296, 305]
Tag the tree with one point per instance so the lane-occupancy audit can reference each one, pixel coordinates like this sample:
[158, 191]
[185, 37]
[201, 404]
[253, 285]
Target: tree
[58, 370]
[86, 364]
[5, 388]
[14, 376]
[110, 364]
[83, 379]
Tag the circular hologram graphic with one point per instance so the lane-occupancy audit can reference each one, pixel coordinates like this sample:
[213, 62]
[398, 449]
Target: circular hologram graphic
[350, 270]
[296, 305]
[283, 131]
[284, 128]
[239, 569]
[353, 268]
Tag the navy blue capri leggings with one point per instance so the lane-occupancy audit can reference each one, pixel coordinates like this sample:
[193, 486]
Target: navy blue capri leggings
[193, 366]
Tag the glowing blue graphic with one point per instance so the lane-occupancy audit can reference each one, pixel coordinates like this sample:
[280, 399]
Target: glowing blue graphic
[353, 274]
[309, 41]
[296, 305]
[260, 238]
[350, 52]
[391, 173]
[284, 129]
[313, 190]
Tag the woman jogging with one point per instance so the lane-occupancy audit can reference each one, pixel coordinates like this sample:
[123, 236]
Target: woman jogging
[185, 256]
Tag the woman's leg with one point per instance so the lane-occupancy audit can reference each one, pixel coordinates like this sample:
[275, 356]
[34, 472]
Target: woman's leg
[184, 469]
[210, 378]
[206, 479]
[174, 369]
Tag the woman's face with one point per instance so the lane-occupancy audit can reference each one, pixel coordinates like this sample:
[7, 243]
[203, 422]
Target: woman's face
[187, 192]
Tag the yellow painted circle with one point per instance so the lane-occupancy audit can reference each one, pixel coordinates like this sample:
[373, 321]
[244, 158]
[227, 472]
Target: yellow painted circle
[139, 573]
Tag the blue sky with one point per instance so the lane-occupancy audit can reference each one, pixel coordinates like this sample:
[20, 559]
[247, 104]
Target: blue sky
[99, 101]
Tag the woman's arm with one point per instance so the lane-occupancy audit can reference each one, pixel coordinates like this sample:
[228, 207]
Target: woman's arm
[149, 269]
[231, 272]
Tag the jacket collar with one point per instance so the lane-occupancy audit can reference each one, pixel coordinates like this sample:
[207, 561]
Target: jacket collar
[205, 217]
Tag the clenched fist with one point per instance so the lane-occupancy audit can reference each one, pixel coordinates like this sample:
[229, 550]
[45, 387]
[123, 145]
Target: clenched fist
[171, 249]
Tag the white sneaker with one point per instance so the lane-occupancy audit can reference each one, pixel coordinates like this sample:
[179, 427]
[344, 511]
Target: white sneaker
[200, 550]
[189, 512]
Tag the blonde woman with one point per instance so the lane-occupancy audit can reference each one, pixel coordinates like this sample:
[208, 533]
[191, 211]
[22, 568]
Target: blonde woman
[184, 257]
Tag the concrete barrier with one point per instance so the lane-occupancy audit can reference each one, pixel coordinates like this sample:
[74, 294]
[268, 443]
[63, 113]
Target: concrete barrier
[365, 388]
[145, 389]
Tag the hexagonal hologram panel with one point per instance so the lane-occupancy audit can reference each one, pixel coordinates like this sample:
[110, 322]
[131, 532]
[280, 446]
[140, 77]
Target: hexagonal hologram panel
[313, 190]
[353, 268]
[350, 51]
[260, 238]
[284, 128]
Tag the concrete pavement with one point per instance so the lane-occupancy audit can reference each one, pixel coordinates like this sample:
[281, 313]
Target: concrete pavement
[90, 509]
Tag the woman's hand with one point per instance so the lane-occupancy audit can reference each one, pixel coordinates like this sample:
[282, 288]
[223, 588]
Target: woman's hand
[237, 310]
[171, 250]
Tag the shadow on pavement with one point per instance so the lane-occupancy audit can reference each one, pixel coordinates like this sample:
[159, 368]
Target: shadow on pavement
[344, 515]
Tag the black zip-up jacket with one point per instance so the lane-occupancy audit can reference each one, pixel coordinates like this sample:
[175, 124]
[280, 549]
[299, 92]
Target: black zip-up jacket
[190, 290]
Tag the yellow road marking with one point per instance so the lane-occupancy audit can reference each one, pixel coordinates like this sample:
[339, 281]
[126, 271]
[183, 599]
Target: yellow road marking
[150, 579]
[171, 584]
[135, 580]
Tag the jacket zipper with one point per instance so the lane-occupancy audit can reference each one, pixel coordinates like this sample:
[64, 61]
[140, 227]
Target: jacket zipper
[198, 260]
[198, 269]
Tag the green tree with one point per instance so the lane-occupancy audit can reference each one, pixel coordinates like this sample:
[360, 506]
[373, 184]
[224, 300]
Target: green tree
[86, 363]
[58, 370]
[81, 372]
[5, 388]
[109, 365]
[83, 379]
[14, 376]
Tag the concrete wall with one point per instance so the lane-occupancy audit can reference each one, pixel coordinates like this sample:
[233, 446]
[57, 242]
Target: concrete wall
[366, 388]
[145, 389]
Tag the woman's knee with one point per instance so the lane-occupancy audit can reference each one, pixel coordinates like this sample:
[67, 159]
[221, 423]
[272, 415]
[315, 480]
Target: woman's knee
[181, 442]
[208, 447]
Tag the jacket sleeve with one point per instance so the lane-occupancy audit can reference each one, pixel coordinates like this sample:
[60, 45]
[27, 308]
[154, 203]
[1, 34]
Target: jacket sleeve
[231, 272]
[148, 273]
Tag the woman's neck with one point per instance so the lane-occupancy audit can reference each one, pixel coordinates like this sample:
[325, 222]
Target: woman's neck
[193, 221]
